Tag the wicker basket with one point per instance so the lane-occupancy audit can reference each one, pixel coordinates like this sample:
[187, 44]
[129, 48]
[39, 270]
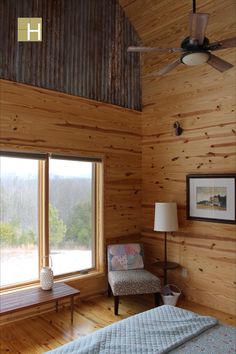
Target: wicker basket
[170, 294]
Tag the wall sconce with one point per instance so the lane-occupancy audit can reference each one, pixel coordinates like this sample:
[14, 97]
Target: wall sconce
[178, 129]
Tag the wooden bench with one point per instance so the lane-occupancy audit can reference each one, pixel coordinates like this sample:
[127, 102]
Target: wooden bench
[24, 299]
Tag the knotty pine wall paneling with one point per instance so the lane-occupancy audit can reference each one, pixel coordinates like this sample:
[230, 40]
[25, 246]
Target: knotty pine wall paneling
[44, 120]
[203, 101]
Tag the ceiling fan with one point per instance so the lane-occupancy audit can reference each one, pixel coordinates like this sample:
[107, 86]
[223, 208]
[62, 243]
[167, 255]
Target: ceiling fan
[195, 49]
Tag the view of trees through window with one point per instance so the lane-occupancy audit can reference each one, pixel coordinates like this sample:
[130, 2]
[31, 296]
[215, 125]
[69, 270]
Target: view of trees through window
[18, 220]
[71, 217]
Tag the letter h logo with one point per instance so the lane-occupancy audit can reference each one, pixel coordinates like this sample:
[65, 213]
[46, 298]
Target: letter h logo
[29, 29]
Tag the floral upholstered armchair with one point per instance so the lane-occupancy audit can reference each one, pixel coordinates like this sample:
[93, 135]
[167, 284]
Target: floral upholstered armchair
[126, 273]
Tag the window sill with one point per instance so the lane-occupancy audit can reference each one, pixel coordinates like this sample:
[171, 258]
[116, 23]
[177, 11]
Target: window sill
[66, 279]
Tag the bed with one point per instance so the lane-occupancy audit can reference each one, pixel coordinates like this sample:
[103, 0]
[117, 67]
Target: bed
[165, 329]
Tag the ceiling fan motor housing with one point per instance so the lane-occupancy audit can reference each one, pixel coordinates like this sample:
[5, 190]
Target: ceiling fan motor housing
[188, 45]
[195, 54]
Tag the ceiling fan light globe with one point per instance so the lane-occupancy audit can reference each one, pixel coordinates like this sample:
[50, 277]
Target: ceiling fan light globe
[196, 58]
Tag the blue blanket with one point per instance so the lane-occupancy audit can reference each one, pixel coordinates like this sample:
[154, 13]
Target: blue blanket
[156, 331]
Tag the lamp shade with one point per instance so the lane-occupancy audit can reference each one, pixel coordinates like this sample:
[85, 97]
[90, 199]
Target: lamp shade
[165, 217]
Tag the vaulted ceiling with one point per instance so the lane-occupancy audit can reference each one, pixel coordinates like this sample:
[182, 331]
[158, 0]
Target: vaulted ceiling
[164, 23]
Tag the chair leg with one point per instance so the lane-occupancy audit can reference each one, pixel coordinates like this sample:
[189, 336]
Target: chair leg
[116, 304]
[109, 290]
[157, 299]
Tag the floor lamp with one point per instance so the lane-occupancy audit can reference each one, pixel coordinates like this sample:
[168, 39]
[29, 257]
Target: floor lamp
[166, 220]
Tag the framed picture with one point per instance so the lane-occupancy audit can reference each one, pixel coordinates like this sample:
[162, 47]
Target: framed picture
[211, 197]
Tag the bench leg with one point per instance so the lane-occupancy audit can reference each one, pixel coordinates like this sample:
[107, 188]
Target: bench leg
[57, 306]
[116, 304]
[72, 309]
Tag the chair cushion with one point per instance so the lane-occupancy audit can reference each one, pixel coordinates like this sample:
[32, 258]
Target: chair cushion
[125, 256]
[131, 282]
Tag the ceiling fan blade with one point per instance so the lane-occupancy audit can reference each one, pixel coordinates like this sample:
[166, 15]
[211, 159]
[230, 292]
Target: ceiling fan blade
[197, 25]
[166, 68]
[224, 44]
[219, 64]
[153, 49]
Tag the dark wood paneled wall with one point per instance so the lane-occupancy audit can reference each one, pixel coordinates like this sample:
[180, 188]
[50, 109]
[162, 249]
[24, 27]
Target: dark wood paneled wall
[83, 51]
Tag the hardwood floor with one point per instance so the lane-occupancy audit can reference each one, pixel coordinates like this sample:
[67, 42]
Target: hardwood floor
[42, 333]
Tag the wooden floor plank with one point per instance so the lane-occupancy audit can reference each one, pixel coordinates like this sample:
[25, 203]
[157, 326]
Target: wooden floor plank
[38, 334]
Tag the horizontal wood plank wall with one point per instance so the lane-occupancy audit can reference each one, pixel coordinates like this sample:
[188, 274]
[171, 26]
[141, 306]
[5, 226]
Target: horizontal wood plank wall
[44, 120]
[83, 49]
[203, 101]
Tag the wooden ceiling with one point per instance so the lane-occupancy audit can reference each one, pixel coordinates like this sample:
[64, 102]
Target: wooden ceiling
[164, 23]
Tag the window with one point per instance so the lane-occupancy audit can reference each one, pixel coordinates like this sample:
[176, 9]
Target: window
[19, 220]
[49, 211]
[71, 215]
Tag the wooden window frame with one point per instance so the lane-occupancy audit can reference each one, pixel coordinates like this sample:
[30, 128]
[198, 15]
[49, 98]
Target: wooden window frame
[43, 216]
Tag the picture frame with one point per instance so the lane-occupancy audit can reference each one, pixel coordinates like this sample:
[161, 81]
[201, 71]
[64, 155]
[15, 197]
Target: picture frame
[211, 197]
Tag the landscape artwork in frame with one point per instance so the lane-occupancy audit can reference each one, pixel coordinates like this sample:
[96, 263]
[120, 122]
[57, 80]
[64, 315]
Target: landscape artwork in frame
[211, 198]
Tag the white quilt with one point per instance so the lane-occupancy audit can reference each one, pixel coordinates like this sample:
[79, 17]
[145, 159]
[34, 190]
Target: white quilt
[156, 331]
